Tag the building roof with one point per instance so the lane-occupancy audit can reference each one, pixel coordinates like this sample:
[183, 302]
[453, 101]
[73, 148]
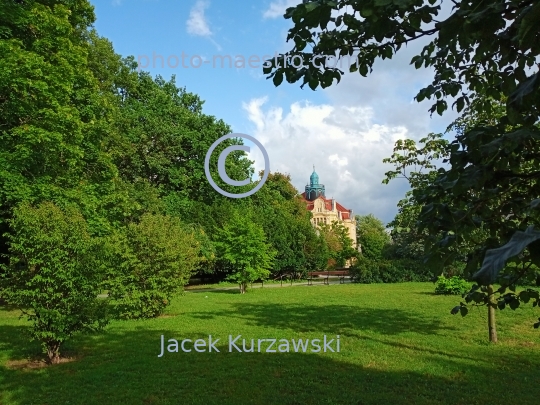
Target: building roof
[345, 213]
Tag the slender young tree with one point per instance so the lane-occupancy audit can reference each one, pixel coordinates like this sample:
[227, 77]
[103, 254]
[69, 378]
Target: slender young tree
[242, 244]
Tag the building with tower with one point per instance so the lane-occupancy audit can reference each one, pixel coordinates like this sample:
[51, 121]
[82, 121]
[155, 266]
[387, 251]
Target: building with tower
[327, 210]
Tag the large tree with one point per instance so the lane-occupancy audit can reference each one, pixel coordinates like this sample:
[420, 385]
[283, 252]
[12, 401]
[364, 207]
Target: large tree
[282, 213]
[483, 53]
[55, 120]
[166, 138]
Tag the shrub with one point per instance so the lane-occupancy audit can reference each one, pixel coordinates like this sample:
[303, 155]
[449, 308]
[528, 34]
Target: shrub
[53, 274]
[368, 271]
[153, 259]
[451, 286]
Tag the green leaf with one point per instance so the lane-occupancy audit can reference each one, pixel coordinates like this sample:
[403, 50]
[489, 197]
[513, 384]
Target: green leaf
[441, 106]
[325, 16]
[524, 296]
[528, 87]
[388, 52]
[514, 304]
[366, 12]
[278, 78]
[363, 70]
[312, 5]
[495, 259]
[528, 29]
[415, 20]
[534, 252]
[460, 103]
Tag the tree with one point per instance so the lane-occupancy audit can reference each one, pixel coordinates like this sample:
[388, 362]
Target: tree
[54, 274]
[165, 140]
[419, 165]
[317, 252]
[282, 213]
[152, 260]
[55, 121]
[372, 236]
[242, 244]
[407, 241]
[492, 178]
[340, 245]
[484, 53]
[456, 250]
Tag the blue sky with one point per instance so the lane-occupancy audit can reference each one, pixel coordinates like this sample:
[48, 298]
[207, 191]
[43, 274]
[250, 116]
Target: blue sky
[160, 27]
[345, 130]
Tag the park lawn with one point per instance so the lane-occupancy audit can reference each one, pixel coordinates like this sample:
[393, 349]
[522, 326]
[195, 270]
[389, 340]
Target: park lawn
[399, 345]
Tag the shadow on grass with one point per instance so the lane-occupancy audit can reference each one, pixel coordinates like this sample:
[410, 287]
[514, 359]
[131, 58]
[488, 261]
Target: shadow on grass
[334, 319]
[124, 368]
[11, 338]
[431, 293]
[418, 348]
[216, 291]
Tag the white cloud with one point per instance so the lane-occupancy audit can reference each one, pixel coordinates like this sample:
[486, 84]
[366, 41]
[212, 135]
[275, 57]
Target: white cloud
[390, 90]
[277, 8]
[197, 23]
[343, 143]
[116, 2]
[349, 135]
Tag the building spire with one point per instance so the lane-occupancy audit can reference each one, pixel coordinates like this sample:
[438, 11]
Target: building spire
[314, 189]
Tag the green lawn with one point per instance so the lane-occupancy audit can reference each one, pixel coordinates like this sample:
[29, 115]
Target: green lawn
[399, 345]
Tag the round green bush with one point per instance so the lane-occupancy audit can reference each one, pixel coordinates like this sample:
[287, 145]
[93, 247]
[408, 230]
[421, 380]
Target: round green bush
[451, 286]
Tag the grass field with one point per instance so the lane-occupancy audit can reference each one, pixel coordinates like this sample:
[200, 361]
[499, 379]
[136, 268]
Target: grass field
[398, 345]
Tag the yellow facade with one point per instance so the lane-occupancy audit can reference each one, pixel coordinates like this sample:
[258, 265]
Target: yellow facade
[326, 211]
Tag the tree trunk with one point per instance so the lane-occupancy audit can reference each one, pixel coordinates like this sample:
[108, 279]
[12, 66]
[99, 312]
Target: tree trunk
[243, 288]
[492, 306]
[53, 352]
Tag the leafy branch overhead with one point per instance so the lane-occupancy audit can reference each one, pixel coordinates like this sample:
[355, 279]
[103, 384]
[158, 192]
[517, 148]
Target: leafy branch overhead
[495, 259]
[484, 47]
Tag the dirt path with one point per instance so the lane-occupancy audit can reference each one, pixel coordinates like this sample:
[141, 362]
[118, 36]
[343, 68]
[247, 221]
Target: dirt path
[258, 285]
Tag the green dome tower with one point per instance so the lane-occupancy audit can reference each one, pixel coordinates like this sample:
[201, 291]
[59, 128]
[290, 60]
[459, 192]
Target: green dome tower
[314, 189]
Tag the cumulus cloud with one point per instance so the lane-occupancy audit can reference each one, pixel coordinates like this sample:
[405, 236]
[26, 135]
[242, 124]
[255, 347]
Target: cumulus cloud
[349, 135]
[197, 24]
[277, 8]
[390, 90]
[344, 144]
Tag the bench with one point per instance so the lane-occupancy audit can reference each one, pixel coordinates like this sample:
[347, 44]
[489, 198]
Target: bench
[339, 273]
